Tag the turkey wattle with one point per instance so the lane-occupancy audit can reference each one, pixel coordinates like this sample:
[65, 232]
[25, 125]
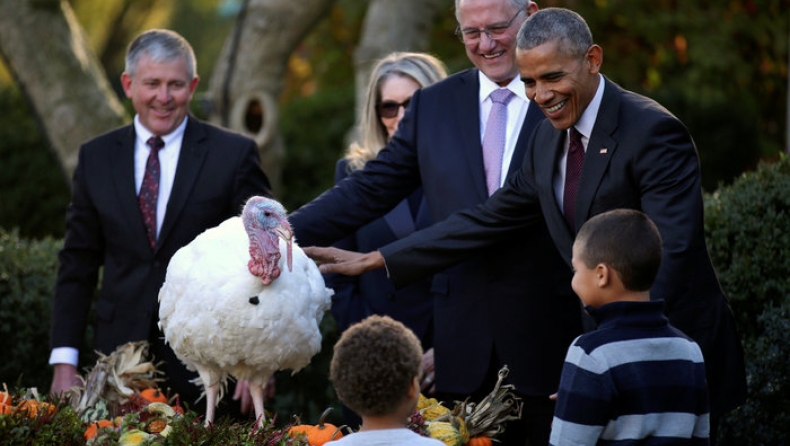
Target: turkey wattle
[229, 306]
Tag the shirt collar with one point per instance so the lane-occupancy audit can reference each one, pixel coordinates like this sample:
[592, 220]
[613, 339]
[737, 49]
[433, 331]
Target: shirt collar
[587, 120]
[487, 86]
[143, 133]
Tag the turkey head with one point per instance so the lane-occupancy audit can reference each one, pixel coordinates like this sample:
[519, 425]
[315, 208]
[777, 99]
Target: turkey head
[266, 223]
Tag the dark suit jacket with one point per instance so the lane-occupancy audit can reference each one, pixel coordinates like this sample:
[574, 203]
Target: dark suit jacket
[512, 300]
[639, 156]
[357, 297]
[217, 171]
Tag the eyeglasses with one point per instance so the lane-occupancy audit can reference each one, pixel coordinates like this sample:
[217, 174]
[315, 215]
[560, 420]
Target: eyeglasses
[390, 109]
[494, 32]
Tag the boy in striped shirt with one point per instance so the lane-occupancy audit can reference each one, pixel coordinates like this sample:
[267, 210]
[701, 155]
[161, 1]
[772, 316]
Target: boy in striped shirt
[636, 379]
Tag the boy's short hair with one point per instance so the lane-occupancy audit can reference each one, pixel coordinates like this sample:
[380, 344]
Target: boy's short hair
[626, 240]
[374, 364]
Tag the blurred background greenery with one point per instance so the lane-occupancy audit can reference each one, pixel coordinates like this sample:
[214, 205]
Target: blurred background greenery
[719, 65]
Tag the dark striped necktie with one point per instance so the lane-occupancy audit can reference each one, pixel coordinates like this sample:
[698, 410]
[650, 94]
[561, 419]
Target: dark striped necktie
[573, 171]
[149, 190]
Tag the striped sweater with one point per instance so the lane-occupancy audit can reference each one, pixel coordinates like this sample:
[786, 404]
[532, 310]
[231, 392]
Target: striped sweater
[636, 380]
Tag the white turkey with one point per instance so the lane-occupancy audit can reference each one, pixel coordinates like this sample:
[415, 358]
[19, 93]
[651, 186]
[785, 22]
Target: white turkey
[244, 300]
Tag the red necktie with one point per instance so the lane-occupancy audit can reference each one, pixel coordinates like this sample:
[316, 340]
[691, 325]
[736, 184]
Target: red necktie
[149, 190]
[573, 170]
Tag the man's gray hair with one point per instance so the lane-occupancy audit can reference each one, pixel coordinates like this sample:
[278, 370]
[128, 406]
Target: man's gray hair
[556, 24]
[518, 4]
[161, 45]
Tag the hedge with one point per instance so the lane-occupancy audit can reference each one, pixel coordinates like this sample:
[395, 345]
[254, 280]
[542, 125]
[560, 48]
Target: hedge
[27, 278]
[748, 232]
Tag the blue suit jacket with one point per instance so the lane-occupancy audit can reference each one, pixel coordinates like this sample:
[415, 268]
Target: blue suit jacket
[639, 156]
[513, 299]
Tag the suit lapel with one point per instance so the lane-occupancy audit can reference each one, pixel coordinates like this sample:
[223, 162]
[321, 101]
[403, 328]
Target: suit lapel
[548, 152]
[423, 217]
[190, 159]
[400, 220]
[122, 172]
[466, 105]
[403, 222]
[600, 149]
[533, 118]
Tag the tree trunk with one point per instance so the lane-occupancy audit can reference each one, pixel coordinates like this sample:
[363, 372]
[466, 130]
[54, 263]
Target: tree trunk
[393, 25]
[45, 50]
[248, 77]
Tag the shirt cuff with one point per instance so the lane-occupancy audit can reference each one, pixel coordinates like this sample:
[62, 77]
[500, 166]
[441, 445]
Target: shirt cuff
[64, 355]
[386, 268]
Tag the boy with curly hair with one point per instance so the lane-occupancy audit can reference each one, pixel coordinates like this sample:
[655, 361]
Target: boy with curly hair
[636, 379]
[375, 370]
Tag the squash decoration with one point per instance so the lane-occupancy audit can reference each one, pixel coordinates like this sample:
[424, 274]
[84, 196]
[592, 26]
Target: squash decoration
[98, 412]
[160, 422]
[317, 434]
[5, 403]
[480, 440]
[153, 395]
[133, 437]
[93, 428]
[34, 408]
[445, 432]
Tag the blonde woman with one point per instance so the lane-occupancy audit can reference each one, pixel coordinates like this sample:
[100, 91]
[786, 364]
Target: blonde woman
[392, 82]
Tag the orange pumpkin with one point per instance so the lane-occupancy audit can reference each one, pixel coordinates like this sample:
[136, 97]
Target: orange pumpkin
[5, 403]
[317, 434]
[93, 428]
[154, 396]
[479, 441]
[178, 410]
[32, 408]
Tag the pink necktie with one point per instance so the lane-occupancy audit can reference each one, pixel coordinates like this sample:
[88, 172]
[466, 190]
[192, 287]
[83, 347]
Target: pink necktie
[494, 138]
[573, 170]
[149, 191]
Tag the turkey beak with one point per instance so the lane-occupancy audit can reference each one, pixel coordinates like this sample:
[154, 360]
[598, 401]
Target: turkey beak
[285, 232]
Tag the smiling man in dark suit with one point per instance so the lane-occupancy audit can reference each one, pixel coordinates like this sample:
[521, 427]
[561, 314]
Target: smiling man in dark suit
[511, 304]
[635, 155]
[197, 176]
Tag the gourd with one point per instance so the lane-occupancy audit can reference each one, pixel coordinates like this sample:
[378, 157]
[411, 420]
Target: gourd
[431, 408]
[5, 403]
[480, 440]
[93, 428]
[424, 403]
[163, 415]
[133, 437]
[154, 395]
[445, 432]
[32, 408]
[98, 412]
[460, 425]
[434, 412]
[317, 434]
